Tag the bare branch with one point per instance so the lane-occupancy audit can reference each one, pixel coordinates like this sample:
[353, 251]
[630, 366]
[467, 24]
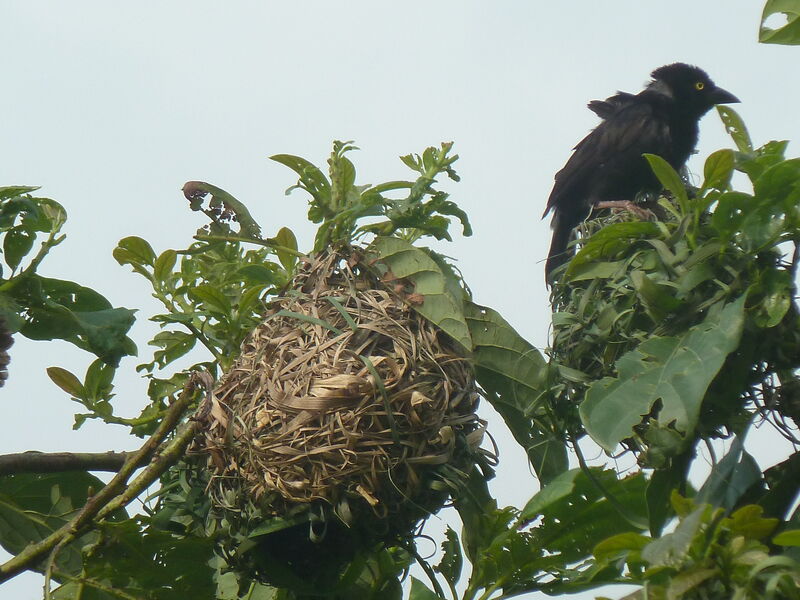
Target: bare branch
[56, 462]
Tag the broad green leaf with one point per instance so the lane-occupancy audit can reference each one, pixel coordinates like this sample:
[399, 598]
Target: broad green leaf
[419, 591]
[98, 380]
[211, 298]
[659, 300]
[754, 164]
[286, 238]
[775, 290]
[608, 242]
[619, 544]
[735, 128]
[730, 478]
[687, 580]
[16, 245]
[67, 382]
[671, 548]
[659, 490]
[675, 370]
[173, 344]
[260, 274]
[32, 506]
[718, 170]
[575, 513]
[430, 293]
[749, 523]
[669, 178]
[789, 33]
[512, 372]
[134, 250]
[311, 178]
[129, 552]
[58, 309]
[164, 265]
[790, 537]
[11, 191]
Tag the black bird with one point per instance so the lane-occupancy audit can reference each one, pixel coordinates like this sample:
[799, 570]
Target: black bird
[607, 168]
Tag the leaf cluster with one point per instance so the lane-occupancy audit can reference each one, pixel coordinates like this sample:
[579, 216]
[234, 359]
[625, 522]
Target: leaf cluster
[688, 319]
[42, 308]
[338, 205]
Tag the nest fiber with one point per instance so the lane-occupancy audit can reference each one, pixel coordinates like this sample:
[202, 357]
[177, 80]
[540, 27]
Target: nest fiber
[345, 397]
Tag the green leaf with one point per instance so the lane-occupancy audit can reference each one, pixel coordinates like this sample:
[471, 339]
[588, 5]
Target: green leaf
[620, 544]
[512, 371]
[676, 370]
[575, 513]
[452, 562]
[730, 478]
[58, 309]
[32, 506]
[672, 548]
[789, 33]
[11, 191]
[134, 250]
[428, 289]
[659, 300]
[173, 344]
[669, 178]
[735, 128]
[16, 245]
[260, 274]
[286, 238]
[164, 265]
[128, 551]
[311, 178]
[98, 381]
[718, 170]
[223, 208]
[609, 242]
[67, 382]
[419, 591]
[659, 489]
[790, 537]
[211, 298]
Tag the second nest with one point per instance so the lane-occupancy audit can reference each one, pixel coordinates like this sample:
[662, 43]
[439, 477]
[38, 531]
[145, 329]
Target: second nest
[347, 396]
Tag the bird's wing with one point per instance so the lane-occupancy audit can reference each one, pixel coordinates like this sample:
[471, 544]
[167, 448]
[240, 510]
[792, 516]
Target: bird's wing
[610, 106]
[622, 137]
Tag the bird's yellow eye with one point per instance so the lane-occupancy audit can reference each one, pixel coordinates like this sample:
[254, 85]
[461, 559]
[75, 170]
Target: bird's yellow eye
[699, 85]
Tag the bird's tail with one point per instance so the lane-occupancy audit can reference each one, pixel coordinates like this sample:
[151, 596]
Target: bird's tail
[558, 254]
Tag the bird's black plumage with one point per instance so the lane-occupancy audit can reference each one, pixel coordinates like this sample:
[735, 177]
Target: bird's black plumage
[607, 165]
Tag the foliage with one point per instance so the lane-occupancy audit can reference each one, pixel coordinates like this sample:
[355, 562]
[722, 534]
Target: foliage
[788, 33]
[667, 333]
[43, 308]
[708, 555]
[670, 318]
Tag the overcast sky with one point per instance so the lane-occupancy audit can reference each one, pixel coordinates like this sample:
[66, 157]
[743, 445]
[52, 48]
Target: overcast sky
[112, 108]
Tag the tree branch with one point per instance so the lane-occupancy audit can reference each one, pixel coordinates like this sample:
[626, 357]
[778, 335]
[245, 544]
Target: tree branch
[55, 462]
[35, 552]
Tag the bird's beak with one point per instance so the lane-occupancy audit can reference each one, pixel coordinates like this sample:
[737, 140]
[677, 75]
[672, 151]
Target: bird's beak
[720, 96]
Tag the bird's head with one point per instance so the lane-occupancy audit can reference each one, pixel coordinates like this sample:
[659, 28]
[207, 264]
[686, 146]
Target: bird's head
[690, 88]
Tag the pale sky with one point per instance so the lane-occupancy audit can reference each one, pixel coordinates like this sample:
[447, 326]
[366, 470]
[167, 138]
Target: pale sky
[112, 107]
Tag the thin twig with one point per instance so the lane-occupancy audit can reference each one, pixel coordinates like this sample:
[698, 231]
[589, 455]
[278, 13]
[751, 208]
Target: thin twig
[437, 588]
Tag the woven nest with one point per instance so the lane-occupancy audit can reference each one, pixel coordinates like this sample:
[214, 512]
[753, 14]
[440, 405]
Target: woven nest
[343, 398]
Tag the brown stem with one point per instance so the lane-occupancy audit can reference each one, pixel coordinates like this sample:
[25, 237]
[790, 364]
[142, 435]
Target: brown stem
[55, 462]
